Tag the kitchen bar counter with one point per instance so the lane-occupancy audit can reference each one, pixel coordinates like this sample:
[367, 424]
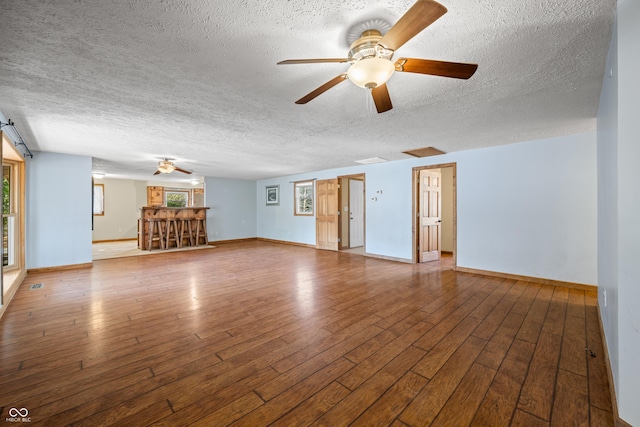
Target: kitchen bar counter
[193, 215]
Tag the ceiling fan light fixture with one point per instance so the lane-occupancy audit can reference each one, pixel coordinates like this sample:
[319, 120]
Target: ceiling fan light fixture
[370, 73]
[166, 167]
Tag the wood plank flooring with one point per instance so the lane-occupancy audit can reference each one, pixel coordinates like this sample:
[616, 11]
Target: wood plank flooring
[257, 333]
[127, 248]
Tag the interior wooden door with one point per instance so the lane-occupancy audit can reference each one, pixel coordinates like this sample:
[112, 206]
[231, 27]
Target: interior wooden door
[327, 214]
[430, 215]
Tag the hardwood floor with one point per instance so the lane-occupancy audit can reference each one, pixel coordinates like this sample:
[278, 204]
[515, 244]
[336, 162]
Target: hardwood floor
[127, 248]
[257, 333]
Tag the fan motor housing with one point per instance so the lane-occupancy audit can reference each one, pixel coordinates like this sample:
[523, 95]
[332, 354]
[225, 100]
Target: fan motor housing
[367, 47]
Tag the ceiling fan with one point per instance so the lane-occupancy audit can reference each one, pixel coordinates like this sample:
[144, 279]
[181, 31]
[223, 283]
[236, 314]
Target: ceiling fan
[167, 166]
[370, 57]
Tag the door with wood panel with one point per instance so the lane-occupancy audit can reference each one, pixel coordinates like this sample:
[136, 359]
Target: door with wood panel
[430, 215]
[327, 214]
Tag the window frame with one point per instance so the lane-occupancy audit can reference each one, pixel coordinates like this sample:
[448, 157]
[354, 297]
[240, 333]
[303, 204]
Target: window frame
[10, 234]
[185, 191]
[101, 212]
[297, 197]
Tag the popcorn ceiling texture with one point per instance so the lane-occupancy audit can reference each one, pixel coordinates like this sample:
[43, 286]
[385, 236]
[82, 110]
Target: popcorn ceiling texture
[128, 82]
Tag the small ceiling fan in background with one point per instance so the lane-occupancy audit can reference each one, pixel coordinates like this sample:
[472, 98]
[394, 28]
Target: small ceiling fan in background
[370, 57]
[166, 166]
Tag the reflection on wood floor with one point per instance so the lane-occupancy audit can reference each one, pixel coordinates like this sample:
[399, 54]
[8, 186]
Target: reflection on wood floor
[357, 250]
[259, 333]
[126, 248]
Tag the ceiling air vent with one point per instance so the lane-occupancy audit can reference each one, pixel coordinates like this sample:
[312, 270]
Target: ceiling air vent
[371, 160]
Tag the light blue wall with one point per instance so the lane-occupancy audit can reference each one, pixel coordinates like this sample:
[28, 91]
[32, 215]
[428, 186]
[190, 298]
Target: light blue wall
[608, 206]
[58, 205]
[526, 209]
[232, 213]
[619, 209]
[629, 208]
[530, 209]
[278, 222]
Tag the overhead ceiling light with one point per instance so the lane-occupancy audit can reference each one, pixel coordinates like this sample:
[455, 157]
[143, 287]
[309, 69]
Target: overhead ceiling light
[195, 181]
[97, 175]
[166, 166]
[372, 65]
[370, 73]
[371, 160]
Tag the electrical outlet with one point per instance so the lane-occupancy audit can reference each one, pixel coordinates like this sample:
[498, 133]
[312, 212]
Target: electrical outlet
[604, 297]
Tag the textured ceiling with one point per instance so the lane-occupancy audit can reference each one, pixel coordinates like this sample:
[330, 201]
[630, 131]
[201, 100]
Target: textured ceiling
[129, 82]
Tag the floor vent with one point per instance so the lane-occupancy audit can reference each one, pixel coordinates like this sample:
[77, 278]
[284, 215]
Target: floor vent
[36, 286]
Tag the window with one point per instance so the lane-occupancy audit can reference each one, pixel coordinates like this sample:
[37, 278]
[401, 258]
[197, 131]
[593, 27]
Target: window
[12, 216]
[303, 197]
[8, 217]
[176, 198]
[98, 199]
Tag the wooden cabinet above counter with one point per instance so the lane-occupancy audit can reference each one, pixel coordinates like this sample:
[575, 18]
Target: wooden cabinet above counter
[155, 196]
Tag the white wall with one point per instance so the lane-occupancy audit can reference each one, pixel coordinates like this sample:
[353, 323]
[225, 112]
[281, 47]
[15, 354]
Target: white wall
[58, 205]
[232, 213]
[619, 208]
[121, 210]
[527, 208]
[123, 200]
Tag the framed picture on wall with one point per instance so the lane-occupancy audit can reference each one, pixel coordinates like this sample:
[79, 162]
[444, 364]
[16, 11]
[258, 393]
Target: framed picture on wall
[273, 195]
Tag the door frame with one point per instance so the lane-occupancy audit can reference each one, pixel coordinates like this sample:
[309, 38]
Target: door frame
[9, 285]
[415, 195]
[362, 177]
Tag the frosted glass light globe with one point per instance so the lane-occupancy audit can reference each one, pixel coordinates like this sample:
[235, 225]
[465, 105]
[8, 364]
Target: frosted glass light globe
[370, 73]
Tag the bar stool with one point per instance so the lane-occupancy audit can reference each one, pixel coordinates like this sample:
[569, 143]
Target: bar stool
[186, 232]
[172, 233]
[201, 231]
[155, 233]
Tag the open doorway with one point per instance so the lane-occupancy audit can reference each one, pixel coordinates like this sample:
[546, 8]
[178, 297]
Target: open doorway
[434, 213]
[351, 229]
[340, 214]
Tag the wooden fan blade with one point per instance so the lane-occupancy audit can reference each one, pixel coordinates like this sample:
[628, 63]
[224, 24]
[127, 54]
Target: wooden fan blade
[381, 98]
[312, 61]
[322, 89]
[182, 170]
[157, 172]
[422, 14]
[457, 70]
